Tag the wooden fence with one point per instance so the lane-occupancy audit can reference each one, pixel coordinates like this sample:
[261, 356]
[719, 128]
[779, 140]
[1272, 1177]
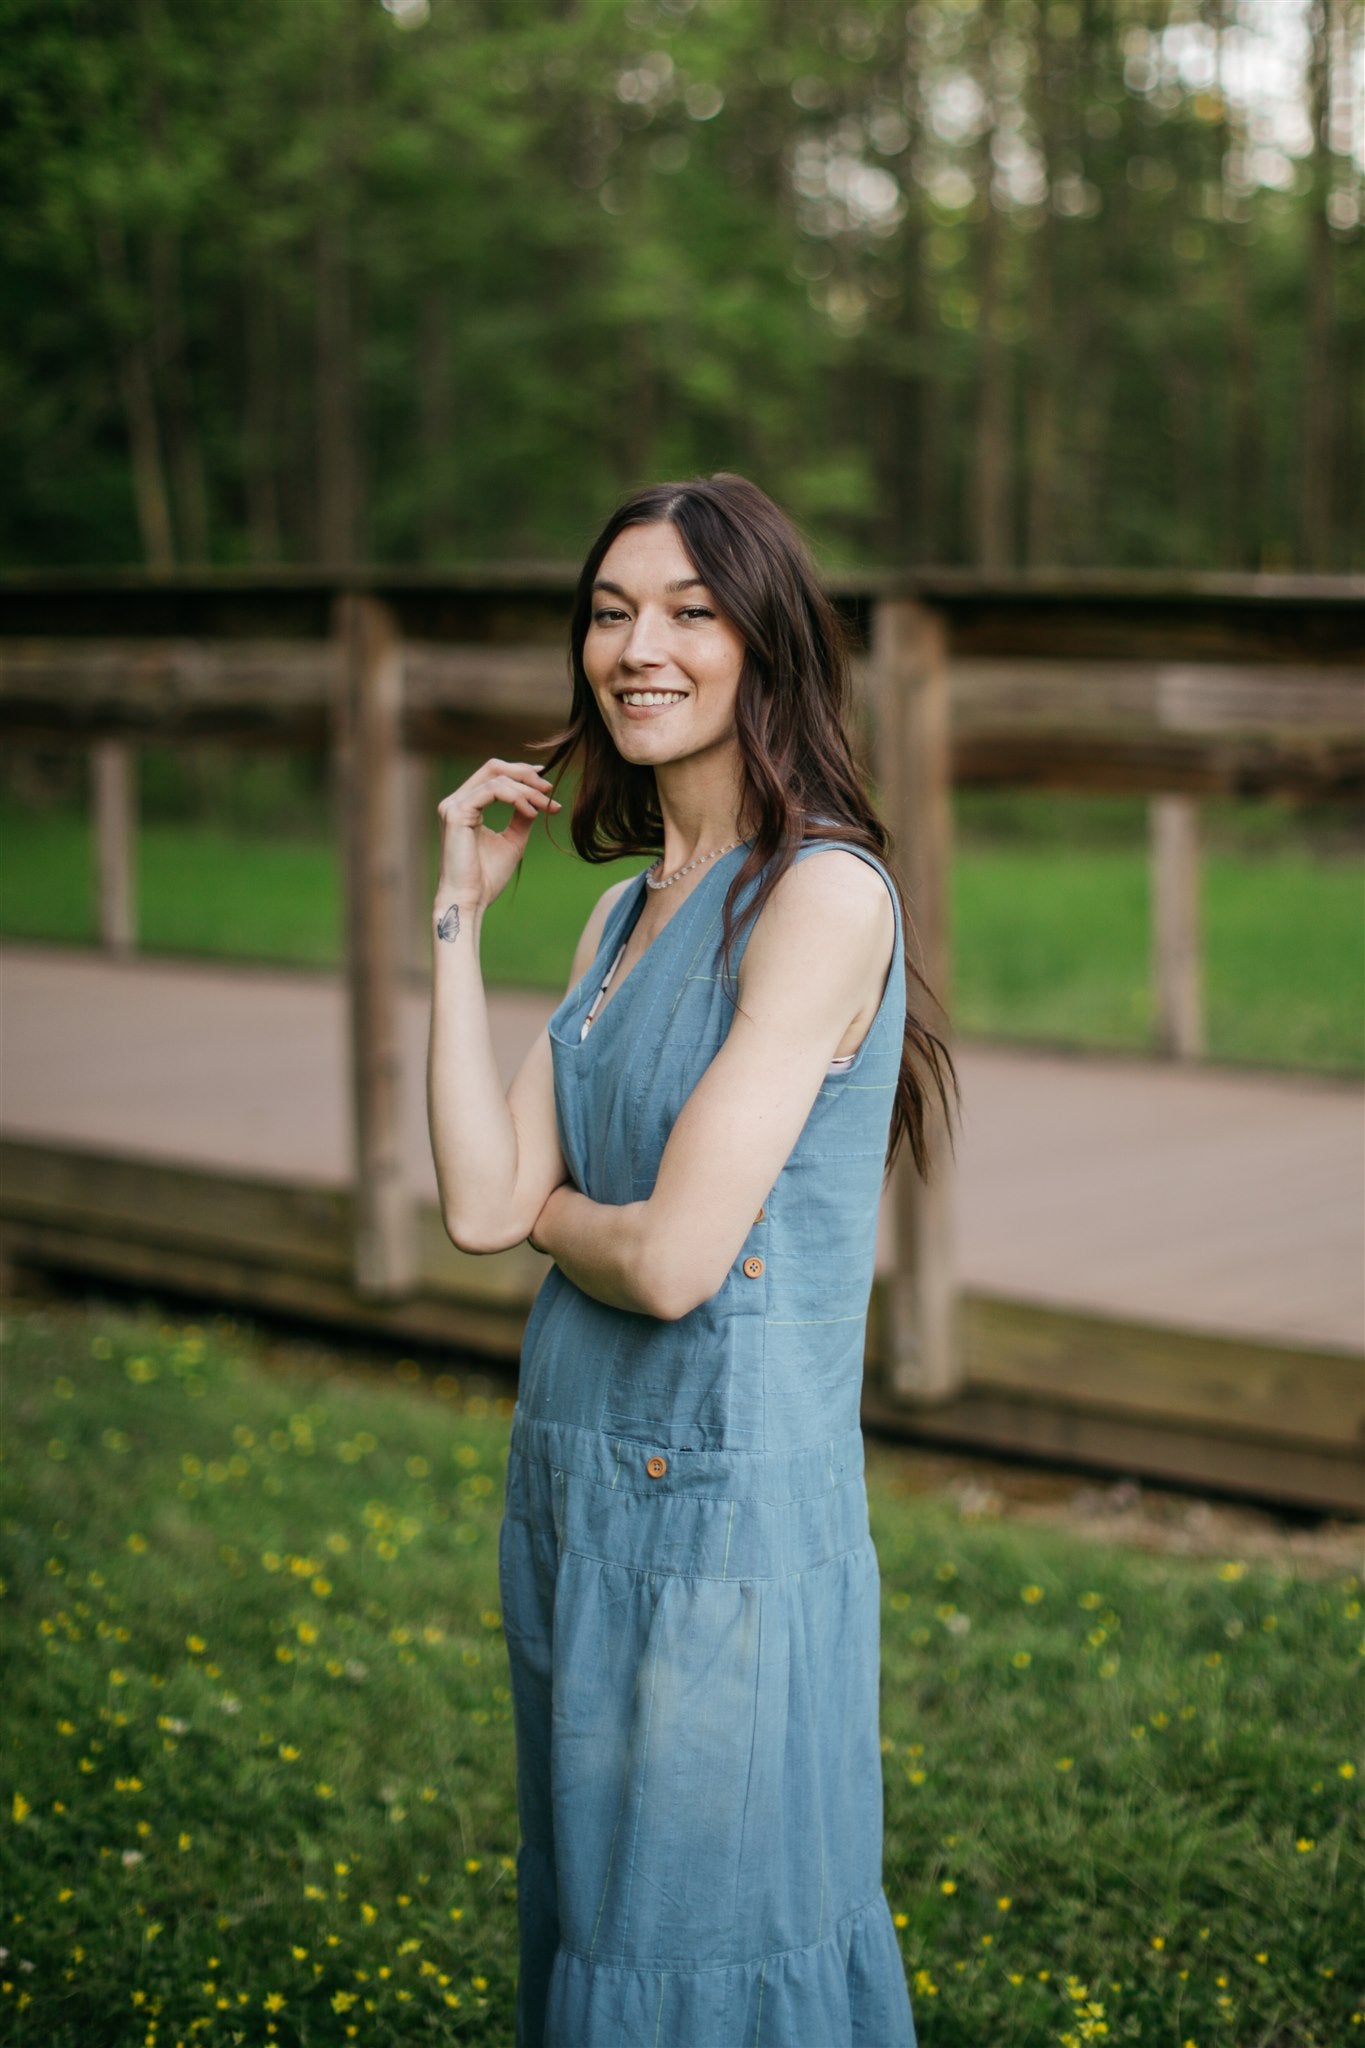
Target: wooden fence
[1176, 689]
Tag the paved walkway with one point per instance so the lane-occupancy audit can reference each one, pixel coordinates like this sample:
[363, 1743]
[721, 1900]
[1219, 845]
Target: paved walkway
[1207, 1199]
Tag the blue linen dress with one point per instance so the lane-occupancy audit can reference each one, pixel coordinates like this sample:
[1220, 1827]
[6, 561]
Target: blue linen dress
[690, 1592]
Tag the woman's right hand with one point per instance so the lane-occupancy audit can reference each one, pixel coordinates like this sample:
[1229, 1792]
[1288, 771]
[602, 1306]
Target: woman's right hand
[476, 864]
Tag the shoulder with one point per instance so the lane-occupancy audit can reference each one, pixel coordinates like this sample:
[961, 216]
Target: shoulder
[835, 888]
[830, 902]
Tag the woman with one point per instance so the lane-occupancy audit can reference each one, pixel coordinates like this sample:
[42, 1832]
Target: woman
[698, 1141]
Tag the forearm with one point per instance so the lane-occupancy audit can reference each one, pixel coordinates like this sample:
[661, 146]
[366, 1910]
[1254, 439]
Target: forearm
[604, 1248]
[473, 1137]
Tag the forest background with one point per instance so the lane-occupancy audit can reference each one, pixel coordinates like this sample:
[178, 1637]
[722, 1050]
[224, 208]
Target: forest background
[1007, 283]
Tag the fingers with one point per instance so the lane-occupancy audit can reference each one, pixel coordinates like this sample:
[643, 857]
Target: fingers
[518, 783]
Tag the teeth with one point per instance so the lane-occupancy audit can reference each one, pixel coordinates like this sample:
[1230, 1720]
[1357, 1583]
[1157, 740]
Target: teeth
[652, 696]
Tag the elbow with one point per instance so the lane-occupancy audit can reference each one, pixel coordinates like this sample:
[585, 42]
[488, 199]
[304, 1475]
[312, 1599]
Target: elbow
[665, 1304]
[670, 1291]
[479, 1235]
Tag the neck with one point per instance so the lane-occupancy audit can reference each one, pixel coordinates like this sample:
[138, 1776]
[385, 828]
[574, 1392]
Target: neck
[698, 813]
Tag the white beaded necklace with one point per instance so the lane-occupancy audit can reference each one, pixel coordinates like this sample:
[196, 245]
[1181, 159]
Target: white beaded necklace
[678, 873]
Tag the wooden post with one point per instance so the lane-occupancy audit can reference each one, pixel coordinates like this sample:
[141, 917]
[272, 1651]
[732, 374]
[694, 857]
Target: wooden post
[114, 803]
[913, 767]
[369, 780]
[420, 846]
[1176, 948]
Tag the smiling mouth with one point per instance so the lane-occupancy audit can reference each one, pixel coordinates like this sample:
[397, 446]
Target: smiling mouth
[645, 699]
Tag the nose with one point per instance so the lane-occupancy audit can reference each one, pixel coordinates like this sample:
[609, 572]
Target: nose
[644, 646]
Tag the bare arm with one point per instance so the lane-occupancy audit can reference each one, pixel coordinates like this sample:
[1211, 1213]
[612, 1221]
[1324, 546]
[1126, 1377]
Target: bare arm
[497, 1154]
[667, 1254]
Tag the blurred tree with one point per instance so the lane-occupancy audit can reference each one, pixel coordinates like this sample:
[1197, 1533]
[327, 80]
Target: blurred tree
[1046, 281]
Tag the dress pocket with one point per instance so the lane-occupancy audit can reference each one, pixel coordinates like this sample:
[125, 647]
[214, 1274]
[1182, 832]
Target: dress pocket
[696, 1384]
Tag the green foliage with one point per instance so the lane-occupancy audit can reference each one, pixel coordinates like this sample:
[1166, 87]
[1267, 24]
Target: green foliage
[300, 281]
[271, 1692]
[260, 1780]
[1108, 1793]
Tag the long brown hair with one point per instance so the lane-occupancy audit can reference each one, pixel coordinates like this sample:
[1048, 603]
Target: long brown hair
[800, 779]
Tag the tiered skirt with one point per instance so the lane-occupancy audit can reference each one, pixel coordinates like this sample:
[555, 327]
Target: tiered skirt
[694, 1650]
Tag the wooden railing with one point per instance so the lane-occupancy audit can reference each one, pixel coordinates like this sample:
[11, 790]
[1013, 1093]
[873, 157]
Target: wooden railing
[1247, 686]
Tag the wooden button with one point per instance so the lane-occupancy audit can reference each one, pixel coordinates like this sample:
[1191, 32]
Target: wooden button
[656, 1467]
[761, 1214]
[752, 1268]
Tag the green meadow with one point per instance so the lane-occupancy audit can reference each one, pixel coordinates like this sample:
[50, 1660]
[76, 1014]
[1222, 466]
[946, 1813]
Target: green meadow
[1049, 916]
[259, 1769]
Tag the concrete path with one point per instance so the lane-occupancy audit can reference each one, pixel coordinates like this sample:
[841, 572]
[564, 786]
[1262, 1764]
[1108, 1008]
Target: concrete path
[1201, 1198]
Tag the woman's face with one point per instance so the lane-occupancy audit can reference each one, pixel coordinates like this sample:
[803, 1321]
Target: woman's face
[663, 662]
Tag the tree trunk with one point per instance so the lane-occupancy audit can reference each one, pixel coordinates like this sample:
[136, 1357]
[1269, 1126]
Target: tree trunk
[338, 465]
[436, 422]
[260, 416]
[1315, 439]
[992, 524]
[169, 371]
[1242, 520]
[1044, 351]
[185, 457]
[337, 481]
[150, 495]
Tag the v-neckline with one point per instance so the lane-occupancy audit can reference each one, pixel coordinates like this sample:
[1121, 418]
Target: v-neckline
[614, 995]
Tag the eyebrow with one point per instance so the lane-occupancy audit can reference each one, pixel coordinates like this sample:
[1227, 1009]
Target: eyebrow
[684, 583]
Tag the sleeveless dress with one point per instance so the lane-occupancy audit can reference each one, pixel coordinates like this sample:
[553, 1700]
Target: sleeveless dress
[690, 1592]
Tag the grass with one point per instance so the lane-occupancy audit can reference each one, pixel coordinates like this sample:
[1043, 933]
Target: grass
[1050, 926]
[260, 1764]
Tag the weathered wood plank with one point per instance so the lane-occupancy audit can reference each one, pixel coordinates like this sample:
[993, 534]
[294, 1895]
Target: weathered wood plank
[1092, 614]
[1177, 954]
[909, 698]
[369, 770]
[491, 1331]
[168, 1210]
[1181, 1377]
[1137, 725]
[1294, 1476]
[113, 776]
[165, 682]
[166, 1207]
[274, 692]
[419, 797]
[1023, 695]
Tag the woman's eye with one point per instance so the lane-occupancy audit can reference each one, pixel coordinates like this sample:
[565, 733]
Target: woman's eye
[697, 611]
[606, 616]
